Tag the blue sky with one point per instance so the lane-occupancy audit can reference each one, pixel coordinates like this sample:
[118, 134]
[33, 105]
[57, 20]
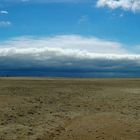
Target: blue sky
[86, 19]
[64, 28]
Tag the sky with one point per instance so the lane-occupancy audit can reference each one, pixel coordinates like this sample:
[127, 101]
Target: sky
[74, 38]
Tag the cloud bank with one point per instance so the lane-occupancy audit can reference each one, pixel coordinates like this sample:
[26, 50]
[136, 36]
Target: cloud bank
[132, 5]
[67, 55]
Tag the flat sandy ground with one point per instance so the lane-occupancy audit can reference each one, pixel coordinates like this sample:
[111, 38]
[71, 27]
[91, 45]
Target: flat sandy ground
[69, 109]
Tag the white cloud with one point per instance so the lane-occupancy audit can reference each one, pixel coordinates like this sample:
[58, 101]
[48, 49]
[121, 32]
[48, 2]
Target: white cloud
[67, 52]
[4, 12]
[72, 42]
[132, 5]
[5, 23]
